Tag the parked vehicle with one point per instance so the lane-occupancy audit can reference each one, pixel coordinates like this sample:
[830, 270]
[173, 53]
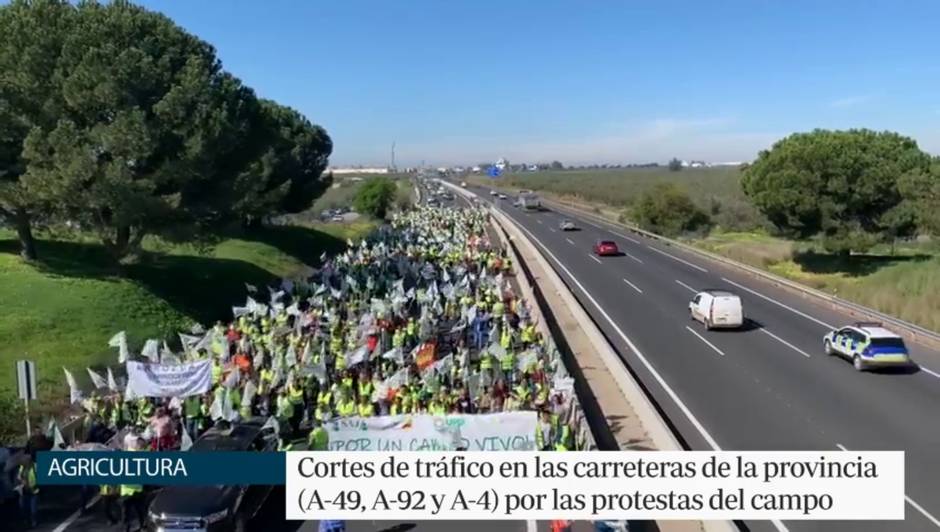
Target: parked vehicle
[717, 308]
[215, 508]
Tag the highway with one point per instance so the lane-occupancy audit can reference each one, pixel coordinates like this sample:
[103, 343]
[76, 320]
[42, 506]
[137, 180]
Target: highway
[768, 387]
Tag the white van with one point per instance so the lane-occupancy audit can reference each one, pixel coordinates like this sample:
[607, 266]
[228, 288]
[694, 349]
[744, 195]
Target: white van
[717, 308]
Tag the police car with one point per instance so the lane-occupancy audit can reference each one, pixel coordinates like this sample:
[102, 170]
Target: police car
[867, 345]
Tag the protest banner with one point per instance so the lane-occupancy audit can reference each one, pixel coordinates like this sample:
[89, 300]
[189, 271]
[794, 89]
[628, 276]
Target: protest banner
[168, 380]
[507, 431]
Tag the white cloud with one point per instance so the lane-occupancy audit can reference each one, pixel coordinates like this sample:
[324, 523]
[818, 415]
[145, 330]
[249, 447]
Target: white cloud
[850, 101]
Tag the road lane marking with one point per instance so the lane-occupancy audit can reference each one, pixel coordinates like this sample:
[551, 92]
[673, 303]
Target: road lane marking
[786, 343]
[633, 286]
[774, 301]
[597, 260]
[702, 338]
[71, 519]
[694, 291]
[552, 229]
[539, 221]
[632, 257]
[569, 241]
[934, 373]
[910, 501]
[642, 358]
[683, 261]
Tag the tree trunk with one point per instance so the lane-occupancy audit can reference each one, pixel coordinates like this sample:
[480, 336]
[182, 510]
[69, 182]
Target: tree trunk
[125, 245]
[24, 231]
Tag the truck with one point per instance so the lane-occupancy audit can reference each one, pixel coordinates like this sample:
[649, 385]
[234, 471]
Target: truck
[529, 201]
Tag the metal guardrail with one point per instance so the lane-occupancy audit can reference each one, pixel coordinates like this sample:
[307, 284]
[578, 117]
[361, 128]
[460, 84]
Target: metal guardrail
[911, 329]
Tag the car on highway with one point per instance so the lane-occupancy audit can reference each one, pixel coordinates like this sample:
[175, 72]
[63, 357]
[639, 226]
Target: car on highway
[867, 345]
[217, 507]
[493, 193]
[717, 309]
[503, 196]
[567, 225]
[463, 184]
[606, 248]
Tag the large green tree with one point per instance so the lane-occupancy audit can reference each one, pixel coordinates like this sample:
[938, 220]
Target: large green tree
[147, 114]
[921, 191]
[840, 185]
[375, 196]
[286, 158]
[32, 35]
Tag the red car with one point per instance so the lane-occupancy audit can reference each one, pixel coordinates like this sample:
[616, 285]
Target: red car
[606, 248]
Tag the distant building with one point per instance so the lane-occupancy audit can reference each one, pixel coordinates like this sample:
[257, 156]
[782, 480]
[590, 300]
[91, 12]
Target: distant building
[501, 164]
[532, 167]
[358, 170]
[476, 169]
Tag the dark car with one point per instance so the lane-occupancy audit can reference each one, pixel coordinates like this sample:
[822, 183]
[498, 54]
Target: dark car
[215, 508]
[605, 248]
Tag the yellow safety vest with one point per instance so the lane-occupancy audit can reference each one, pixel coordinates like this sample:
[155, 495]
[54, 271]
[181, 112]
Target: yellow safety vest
[128, 490]
[366, 410]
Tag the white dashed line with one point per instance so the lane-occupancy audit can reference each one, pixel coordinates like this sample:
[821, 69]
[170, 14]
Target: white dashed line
[694, 291]
[909, 500]
[621, 235]
[71, 519]
[929, 371]
[702, 338]
[786, 343]
[633, 286]
[642, 358]
[683, 261]
[774, 301]
[597, 260]
[569, 241]
[632, 257]
[551, 229]
[539, 221]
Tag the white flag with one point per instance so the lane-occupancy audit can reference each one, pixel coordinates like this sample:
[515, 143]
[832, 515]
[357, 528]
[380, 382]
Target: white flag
[358, 356]
[215, 410]
[186, 442]
[151, 351]
[119, 340]
[112, 383]
[336, 293]
[232, 379]
[75, 395]
[398, 379]
[57, 440]
[272, 424]
[96, 379]
[396, 354]
[248, 394]
[251, 288]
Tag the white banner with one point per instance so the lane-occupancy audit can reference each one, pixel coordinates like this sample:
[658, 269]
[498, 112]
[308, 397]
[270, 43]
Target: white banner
[508, 431]
[168, 380]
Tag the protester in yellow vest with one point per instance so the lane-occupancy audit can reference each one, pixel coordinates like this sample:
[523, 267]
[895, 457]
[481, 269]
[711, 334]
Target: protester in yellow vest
[132, 496]
[29, 491]
[319, 439]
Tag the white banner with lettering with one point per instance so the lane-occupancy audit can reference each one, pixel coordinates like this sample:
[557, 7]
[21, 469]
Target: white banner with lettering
[168, 380]
[507, 431]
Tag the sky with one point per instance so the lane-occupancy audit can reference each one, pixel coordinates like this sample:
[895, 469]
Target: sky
[464, 82]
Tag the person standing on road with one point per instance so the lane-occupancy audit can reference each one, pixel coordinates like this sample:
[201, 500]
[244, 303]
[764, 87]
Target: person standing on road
[29, 491]
[132, 496]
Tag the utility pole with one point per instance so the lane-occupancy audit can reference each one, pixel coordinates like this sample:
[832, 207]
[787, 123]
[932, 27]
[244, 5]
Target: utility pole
[393, 157]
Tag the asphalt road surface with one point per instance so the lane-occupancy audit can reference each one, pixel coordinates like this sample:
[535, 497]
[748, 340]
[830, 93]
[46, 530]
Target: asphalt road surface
[768, 387]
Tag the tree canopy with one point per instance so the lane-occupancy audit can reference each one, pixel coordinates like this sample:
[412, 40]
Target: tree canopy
[839, 185]
[114, 117]
[375, 196]
[666, 209]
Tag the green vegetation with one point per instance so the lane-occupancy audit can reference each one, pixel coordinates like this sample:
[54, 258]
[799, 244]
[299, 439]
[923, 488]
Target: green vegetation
[667, 210]
[904, 284]
[716, 191]
[179, 147]
[839, 185]
[375, 196]
[61, 310]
